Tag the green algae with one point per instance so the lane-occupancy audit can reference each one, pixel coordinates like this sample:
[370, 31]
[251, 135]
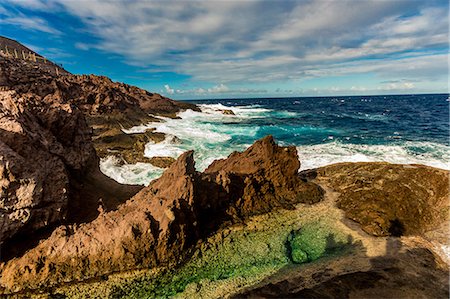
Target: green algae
[315, 240]
[229, 260]
[245, 255]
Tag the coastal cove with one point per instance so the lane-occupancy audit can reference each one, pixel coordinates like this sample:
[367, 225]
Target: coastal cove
[414, 129]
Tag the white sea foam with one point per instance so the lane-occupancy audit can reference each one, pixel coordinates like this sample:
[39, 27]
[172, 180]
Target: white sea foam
[139, 173]
[312, 156]
[213, 135]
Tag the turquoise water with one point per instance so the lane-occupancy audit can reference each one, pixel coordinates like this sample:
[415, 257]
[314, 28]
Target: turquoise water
[325, 130]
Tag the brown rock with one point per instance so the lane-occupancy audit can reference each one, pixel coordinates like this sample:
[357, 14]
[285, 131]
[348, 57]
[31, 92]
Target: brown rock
[160, 223]
[266, 177]
[161, 162]
[127, 147]
[108, 105]
[39, 149]
[390, 199]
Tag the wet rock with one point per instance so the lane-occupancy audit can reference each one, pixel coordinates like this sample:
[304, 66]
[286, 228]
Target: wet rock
[227, 112]
[161, 162]
[127, 147]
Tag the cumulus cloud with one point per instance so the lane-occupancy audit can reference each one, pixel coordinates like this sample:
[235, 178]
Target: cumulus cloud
[168, 89]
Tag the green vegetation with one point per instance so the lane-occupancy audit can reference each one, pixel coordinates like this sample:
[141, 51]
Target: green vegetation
[313, 241]
[233, 258]
[247, 255]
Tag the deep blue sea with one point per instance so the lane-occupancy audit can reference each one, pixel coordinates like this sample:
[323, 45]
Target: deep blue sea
[325, 130]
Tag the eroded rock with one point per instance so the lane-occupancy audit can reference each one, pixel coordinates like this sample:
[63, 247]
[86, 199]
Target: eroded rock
[390, 199]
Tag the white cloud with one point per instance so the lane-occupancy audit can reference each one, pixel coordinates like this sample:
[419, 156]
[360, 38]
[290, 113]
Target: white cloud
[256, 41]
[168, 89]
[221, 88]
[215, 90]
[30, 23]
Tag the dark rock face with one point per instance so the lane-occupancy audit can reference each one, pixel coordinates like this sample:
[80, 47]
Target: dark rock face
[390, 199]
[47, 163]
[160, 223]
[40, 147]
[265, 176]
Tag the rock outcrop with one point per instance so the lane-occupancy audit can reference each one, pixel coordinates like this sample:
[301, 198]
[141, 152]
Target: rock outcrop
[46, 157]
[160, 223]
[264, 177]
[389, 199]
[40, 146]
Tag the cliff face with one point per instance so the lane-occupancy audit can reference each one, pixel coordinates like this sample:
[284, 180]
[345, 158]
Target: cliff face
[41, 147]
[48, 164]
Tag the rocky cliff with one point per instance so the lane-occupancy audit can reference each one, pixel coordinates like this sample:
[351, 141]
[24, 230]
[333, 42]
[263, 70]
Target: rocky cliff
[48, 162]
[108, 106]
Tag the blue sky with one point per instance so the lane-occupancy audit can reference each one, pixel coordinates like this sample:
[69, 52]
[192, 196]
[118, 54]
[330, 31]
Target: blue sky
[235, 49]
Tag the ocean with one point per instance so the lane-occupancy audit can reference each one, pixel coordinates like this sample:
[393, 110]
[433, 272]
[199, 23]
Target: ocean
[326, 130]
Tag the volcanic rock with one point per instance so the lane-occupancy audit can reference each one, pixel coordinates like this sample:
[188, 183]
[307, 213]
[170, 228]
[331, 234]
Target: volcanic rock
[389, 199]
[266, 175]
[39, 146]
[227, 112]
[47, 163]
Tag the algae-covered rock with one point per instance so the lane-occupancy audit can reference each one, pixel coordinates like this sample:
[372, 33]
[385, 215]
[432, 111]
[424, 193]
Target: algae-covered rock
[313, 241]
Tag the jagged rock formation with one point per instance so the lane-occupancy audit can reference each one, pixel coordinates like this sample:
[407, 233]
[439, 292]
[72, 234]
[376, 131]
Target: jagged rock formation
[46, 155]
[160, 223]
[389, 199]
[40, 146]
[265, 176]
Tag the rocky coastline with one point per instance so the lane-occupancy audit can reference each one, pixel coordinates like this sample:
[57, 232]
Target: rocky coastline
[248, 226]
